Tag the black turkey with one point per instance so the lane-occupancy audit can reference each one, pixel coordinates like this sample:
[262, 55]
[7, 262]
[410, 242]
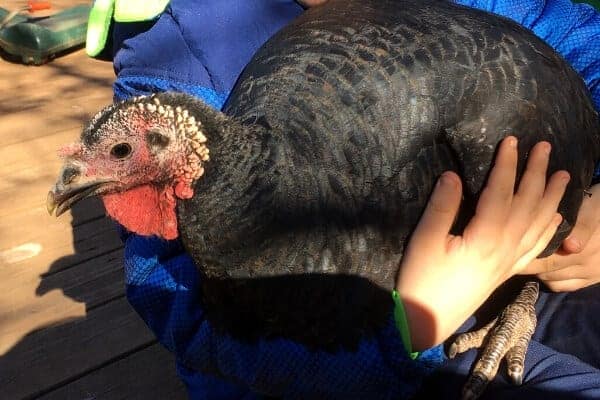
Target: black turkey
[296, 202]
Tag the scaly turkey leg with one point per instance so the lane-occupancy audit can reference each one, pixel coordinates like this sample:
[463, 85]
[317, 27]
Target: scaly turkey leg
[509, 337]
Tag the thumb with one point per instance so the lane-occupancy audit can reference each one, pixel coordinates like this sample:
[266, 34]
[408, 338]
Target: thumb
[441, 210]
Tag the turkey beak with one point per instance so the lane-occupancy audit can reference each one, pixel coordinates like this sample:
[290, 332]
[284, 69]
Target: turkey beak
[71, 187]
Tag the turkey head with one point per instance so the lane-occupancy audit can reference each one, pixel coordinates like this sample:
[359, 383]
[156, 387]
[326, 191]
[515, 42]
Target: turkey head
[139, 156]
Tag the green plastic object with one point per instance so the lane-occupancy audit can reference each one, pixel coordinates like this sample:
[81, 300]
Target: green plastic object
[37, 40]
[595, 3]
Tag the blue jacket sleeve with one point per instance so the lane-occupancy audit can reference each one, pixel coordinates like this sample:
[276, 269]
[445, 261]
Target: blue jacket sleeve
[200, 47]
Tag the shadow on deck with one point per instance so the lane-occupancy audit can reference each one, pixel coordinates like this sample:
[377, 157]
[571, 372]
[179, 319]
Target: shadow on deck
[106, 354]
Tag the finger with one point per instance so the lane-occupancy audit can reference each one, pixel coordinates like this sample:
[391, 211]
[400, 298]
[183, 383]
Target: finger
[495, 200]
[568, 286]
[554, 191]
[588, 220]
[538, 220]
[525, 216]
[533, 182]
[551, 263]
[553, 194]
[555, 262]
[441, 210]
[562, 274]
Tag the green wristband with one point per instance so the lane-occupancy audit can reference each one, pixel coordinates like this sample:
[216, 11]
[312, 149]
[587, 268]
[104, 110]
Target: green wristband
[402, 324]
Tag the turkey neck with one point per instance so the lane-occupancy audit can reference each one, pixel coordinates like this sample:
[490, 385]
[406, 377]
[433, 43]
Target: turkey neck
[230, 198]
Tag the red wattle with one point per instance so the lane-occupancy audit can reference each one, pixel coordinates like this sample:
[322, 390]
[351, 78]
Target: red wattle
[145, 210]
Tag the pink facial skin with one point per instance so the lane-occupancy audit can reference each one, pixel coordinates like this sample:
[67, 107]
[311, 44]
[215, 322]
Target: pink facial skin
[147, 206]
[135, 201]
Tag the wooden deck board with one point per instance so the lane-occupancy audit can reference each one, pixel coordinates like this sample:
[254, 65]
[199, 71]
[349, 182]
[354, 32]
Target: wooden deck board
[142, 380]
[66, 329]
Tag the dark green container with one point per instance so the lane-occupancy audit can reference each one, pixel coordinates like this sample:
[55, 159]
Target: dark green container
[595, 3]
[37, 40]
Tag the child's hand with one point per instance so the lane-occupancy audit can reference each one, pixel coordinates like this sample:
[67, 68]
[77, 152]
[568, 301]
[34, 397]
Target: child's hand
[443, 278]
[577, 264]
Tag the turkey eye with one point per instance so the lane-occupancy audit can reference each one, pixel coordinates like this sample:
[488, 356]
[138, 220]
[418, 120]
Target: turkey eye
[120, 151]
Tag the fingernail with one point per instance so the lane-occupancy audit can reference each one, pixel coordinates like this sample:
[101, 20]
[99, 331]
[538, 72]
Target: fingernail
[446, 180]
[512, 141]
[440, 181]
[558, 218]
[547, 148]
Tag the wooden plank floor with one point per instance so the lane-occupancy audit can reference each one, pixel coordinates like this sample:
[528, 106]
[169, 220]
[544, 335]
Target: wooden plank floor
[66, 329]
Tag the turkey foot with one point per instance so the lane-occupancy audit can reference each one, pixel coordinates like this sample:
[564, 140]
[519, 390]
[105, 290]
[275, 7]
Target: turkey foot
[507, 336]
